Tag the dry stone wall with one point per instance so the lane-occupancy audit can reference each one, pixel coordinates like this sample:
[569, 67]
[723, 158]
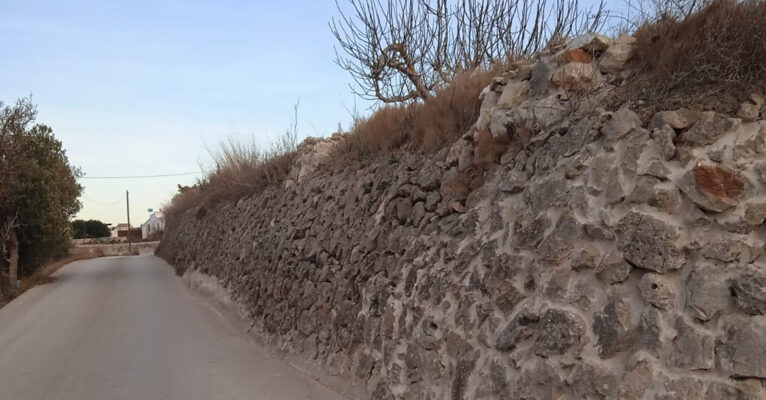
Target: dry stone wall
[604, 257]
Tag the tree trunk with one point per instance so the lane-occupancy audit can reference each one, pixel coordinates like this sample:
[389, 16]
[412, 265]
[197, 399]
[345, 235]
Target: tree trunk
[13, 266]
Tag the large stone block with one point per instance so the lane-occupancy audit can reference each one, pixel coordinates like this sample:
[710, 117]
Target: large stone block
[615, 327]
[741, 348]
[558, 331]
[650, 243]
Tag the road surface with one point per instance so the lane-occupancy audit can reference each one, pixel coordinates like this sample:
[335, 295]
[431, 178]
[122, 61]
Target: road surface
[128, 328]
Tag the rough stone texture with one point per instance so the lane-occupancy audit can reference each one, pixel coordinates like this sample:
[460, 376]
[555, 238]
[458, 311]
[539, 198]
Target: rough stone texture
[638, 380]
[713, 187]
[593, 382]
[749, 287]
[742, 346]
[597, 261]
[577, 76]
[657, 291]
[693, 348]
[614, 327]
[616, 55]
[649, 243]
[619, 125]
[559, 330]
[707, 292]
[590, 42]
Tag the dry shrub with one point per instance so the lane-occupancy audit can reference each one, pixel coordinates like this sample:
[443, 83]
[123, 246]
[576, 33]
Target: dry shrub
[427, 126]
[241, 169]
[442, 119]
[714, 57]
[385, 130]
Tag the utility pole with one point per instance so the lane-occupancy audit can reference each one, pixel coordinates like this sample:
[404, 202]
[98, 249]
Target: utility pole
[127, 201]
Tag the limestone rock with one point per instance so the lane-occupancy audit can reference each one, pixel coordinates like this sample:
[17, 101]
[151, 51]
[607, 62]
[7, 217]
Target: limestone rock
[590, 42]
[514, 94]
[587, 257]
[749, 287]
[692, 348]
[638, 380]
[742, 347]
[531, 234]
[619, 125]
[706, 130]
[750, 142]
[652, 332]
[707, 292]
[652, 192]
[664, 138]
[501, 125]
[520, 327]
[591, 381]
[749, 111]
[614, 327]
[732, 247]
[558, 331]
[682, 388]
[719, 390]
[679, 119]
[713, 187]
[539, 381]
[657, 291]
[617, 54]
[613, 269]
[649, 243]
[560, 242]
[577, 77]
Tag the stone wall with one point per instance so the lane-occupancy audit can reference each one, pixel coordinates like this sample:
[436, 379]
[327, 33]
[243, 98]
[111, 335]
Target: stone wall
[603, 257]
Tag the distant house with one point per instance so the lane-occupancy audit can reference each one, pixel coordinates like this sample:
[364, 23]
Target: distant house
[120, 231]
[154, 226]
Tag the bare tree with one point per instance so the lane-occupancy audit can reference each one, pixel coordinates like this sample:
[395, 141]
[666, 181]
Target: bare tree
[403, 50]
[639, 12]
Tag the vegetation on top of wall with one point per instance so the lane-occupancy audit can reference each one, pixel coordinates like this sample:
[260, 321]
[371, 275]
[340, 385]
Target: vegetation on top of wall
[706, 54]
[689, 53]
[404, 50]
[240, 169]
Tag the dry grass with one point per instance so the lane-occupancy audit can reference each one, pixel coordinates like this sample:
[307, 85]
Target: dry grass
[711, 59]
[384, 131]
[441, 120]
[42, 275]
[241, 169]
[428, 126]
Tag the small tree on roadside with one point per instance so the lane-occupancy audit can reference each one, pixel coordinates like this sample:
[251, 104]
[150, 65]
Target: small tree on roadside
[403, 50]
[38, 190]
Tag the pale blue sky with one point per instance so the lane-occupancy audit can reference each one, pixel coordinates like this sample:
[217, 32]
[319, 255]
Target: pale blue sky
[145, 87]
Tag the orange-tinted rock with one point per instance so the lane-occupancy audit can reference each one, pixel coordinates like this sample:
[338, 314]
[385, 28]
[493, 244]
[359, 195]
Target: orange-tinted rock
[576, 55]
[722, 184]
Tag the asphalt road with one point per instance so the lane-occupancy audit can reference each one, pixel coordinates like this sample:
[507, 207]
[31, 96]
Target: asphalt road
[128, 328]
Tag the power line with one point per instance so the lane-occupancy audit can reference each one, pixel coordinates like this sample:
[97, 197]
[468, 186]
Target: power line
[139, 176]
[101, 203]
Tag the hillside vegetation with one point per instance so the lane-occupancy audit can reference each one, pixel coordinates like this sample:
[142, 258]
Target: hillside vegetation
[706, 55]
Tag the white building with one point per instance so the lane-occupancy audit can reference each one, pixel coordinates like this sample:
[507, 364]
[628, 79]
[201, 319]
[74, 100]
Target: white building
[155, 224]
